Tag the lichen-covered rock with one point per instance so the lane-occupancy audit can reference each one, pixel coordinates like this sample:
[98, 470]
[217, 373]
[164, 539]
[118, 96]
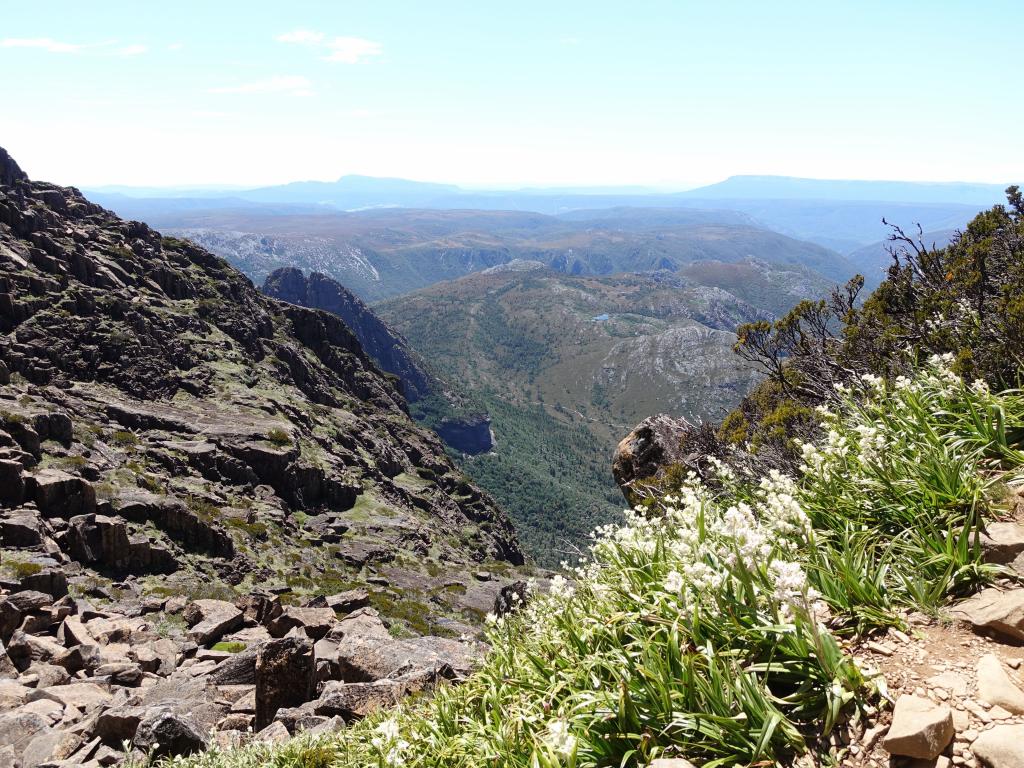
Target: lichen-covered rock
[59, 494]
[210, 620]
[314, 622]
[348, 601]
[237, 669]
[285, 675]
[354, 701]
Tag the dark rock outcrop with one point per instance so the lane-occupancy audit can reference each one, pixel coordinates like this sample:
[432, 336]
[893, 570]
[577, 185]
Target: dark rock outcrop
[511, 598]
[386, 346]
[164, 732]
[466, 433]
[654, 444]
[285, 674]
[470, 435]
[9, 170]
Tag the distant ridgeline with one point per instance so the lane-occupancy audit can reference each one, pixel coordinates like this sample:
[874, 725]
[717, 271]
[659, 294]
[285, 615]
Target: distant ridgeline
[380, 254]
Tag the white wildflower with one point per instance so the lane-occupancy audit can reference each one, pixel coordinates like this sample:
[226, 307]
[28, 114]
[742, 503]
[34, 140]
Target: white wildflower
[387, 738]
[723, 470]
[871, 442]
[702, 577]
[790, 581]
[560, 587]
[559, 739]
[387, 731]
[875, 382]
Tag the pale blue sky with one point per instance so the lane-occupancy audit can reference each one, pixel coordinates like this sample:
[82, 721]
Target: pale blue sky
[664, 93]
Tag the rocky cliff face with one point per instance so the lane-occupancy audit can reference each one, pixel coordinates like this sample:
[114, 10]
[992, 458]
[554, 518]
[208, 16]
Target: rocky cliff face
[468, 433]
[382, 343]
[185, 461]
[471, 435]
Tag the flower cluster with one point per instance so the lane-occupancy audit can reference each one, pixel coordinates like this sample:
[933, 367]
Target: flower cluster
[824, 459]
[387, 739]
[707, 544]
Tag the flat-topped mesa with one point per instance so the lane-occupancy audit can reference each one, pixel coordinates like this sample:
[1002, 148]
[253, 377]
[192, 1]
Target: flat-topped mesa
[10, 171]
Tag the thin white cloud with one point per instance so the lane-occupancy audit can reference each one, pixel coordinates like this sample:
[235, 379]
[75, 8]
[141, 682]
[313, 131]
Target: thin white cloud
[175, 46]
[56, 46]
[345, 50]
[44, 43]
[301, 37]
[293, 84]
[349, 50]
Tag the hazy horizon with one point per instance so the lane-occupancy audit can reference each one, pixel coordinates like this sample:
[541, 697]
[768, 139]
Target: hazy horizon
[596, 188]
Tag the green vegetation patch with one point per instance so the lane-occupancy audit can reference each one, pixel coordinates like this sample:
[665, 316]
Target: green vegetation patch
[124, 438]
[229, 646]
[279, 437]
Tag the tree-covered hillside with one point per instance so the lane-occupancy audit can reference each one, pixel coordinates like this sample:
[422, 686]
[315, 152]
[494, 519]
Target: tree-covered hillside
[564, 366]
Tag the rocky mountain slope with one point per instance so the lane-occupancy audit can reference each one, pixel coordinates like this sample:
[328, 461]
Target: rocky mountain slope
[183, 462]
[436, 404]
[564, 365]
[382, 253]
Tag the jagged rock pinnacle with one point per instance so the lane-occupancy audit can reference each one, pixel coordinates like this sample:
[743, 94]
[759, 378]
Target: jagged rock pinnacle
[10, 171]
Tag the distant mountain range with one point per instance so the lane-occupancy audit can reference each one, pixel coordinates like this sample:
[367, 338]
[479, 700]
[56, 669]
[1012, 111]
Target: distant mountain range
[839, 214]
[362, 191]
